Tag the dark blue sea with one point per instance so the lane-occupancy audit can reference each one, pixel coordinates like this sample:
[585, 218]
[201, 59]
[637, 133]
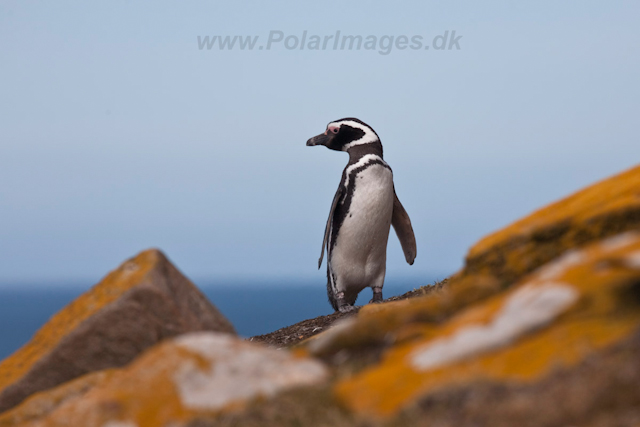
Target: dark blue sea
[254, 308]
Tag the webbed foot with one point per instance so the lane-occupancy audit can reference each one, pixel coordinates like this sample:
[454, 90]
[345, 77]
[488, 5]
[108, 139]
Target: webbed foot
[377, 296]
[343, 306]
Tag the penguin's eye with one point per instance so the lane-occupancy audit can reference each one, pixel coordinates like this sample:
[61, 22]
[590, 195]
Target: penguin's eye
[334, 130]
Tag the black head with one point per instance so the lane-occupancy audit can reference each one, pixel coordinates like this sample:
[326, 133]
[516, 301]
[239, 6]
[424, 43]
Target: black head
[343, 134]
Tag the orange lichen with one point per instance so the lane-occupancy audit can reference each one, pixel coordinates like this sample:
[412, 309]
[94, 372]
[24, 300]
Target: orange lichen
[604, 209]
[41, 404]
[616, 194]
[171, 383]
[116, 283]
[501, 260]
[607, 311]
[143, 392]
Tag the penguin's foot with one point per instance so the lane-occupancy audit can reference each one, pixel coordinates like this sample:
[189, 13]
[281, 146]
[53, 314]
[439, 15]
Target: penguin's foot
[377, 296]
[343, 306]
[346, 308]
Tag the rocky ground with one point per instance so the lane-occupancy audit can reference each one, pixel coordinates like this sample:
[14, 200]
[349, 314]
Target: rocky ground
[292, 335]
[541, 327]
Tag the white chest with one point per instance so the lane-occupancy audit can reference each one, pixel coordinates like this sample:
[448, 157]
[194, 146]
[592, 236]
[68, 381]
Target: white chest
[359, 256]
[373, 194]
[365, 228]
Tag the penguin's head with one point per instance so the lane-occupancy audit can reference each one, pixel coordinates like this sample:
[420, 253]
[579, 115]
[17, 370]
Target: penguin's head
[343, 134]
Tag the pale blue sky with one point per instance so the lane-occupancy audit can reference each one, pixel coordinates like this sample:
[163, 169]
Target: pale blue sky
[118, 134]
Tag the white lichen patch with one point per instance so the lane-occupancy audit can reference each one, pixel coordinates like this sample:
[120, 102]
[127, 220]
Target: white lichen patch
[116, 423]
[324, 340]
[238, 371]
[554, 269]
[528, 308]
[633, 260]
[619, 241]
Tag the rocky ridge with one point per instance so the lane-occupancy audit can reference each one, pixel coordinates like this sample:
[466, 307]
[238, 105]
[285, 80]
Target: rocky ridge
[540, 328]
[139, 304]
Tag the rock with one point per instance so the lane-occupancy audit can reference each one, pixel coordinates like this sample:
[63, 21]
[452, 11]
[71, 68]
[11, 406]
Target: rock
[581, 306]
[500, 260]
[604, 209]
[180, 381]
[540, 328]
[142, 302]
[292, 335]
[39, 405]
[546, 311]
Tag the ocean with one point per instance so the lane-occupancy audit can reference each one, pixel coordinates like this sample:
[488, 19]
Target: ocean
[254, 307]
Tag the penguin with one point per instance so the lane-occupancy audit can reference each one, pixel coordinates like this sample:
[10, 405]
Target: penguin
[363, 210]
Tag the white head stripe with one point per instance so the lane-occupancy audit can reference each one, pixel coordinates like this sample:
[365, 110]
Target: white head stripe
[363, 161]
[369, 135]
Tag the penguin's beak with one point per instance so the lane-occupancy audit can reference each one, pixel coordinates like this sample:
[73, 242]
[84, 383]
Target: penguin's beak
[322, 139]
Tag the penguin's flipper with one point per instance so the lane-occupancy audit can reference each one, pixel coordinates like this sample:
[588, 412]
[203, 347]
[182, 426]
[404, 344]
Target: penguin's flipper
[327, 229]
[402, 224]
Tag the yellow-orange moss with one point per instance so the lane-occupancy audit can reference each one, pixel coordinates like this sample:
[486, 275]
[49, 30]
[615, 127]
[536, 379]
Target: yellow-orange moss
[41, 404]
[155, 403]
[616, 194]
[116, 283]
[505, 257]
[143, 392]
[603, 315]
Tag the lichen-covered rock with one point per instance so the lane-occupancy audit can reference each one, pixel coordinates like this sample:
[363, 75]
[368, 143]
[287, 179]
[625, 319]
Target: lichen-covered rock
[499, 261]
[41, 404]
[191, 377]
[604, 209]
[535, 305]
[569, 310]
[540, 328]
[135, 306]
